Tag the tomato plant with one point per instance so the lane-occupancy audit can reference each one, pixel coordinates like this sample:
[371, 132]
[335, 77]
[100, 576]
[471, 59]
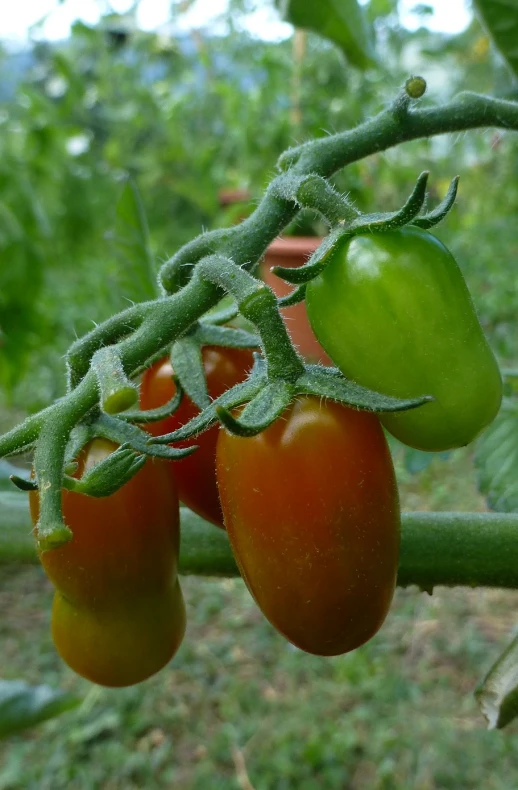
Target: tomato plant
[118, 614]
[394, 313]
[195, 474]
[311, 509]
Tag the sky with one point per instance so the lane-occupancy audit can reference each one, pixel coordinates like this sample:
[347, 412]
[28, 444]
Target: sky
[450, 16]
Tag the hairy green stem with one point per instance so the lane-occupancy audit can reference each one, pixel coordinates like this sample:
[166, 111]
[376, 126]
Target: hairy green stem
[245, 243]
[384, 131]
[111, 331]
[117, 392]
[144, 330]
[447, 549]
[258, 304]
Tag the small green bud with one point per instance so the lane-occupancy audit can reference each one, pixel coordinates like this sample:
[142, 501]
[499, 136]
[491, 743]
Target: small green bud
[415, 87]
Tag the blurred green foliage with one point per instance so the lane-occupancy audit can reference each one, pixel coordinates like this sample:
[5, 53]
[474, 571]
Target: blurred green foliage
[189, 115]
[183, 117]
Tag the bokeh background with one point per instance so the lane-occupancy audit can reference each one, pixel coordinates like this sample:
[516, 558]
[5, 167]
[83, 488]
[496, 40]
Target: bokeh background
[190, 99]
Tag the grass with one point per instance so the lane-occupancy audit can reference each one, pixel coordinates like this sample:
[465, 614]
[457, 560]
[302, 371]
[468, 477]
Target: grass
[241, 708]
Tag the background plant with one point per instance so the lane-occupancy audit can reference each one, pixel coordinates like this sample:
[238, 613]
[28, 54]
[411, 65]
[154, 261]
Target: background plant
[461, 62]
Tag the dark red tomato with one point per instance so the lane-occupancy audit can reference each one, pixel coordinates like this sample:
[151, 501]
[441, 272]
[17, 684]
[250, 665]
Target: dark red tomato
[118, 614]
[196, 475]
[312, 512]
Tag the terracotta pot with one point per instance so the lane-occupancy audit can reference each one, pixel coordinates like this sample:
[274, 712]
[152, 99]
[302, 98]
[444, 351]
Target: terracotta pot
[294, 251]
[228, 197]
[235, 205]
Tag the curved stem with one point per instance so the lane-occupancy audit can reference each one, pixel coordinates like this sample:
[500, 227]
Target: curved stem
[49, 463]
[110, 332]
[258, 304]
[384, 131]
[168, 317]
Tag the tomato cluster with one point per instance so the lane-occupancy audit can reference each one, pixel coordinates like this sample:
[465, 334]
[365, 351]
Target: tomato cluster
[195, 475]
[310, 505]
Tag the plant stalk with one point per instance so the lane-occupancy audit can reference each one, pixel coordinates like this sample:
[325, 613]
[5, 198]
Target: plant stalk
[445, 549]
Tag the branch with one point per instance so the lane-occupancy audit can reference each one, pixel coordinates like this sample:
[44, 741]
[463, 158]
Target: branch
[157, 324]
[447, 549]
[389, 128]
[143, 331]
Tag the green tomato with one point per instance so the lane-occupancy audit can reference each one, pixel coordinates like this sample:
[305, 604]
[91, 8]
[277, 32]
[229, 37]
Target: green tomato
[394, 313]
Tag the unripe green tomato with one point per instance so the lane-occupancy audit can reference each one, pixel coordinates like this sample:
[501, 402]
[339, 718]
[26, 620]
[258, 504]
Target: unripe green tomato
[394, 313]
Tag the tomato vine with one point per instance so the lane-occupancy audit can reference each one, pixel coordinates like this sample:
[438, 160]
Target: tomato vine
[140, 335]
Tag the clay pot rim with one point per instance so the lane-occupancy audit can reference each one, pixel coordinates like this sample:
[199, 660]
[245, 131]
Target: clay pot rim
[294, 246]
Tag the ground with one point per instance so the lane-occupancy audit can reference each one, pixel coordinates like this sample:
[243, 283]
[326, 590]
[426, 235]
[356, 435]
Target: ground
[240, 708]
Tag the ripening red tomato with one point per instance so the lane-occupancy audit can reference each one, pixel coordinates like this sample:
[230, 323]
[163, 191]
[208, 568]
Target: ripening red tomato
[195, 475]
[312, 513]
[120, 646]
[118, 614]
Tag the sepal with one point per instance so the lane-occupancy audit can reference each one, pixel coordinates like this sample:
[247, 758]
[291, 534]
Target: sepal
[121, 433]
[260, 412]
[435, 216]
[317, 262]
[160, 413]
[295, 297]
[110, 474]
[23, 484]
[368, 223]
[379, 223]
[221, 316]
[187, 364]
[208, 334]
[330, 383]
[236, 396]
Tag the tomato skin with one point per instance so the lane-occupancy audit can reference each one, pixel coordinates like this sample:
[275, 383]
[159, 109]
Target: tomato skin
[312, 513]
[195, 475]
[118, 613]
[120, 647]
[394, 313]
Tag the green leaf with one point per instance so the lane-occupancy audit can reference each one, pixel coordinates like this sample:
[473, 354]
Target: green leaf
[500, 18]
[497, 695]
[23, 706]
[341, 21]
[497, 460]
[131, 241]
[10, 227]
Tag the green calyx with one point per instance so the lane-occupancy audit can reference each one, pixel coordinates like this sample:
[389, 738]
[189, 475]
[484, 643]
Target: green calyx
[261, 401]
[143, 333]
[408, 214]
